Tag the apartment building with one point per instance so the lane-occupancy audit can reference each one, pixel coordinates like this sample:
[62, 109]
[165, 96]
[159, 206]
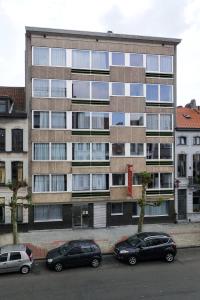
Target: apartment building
[188, 163]
[101, 110]
[13, 152]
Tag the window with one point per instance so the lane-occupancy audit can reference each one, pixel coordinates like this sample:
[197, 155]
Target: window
[118, 59]
[99, 60]
[100, 181]
[40, 88]
[80, 120]
[154, 184]
[118, 89]
[166, 64]
[81, 89]
[165, 180]
[165, 151]
[80, 182]
[17, 171]
[81, 59]
[43, 213]
[58, 183]
[58, 57]
[15, 256]
[182, 140]
[196, 201]
[152, 151]
[58, 151]
[58, 120]
[3, 106]
[118, 149]
[2, 139]
[152, 63]
[196, 168]
[116, 209]
[152, 122]
[41, 56]
[41, 183]
[41, 151]
[75, 251]
[100, 90]
[136, 119]
[137, 179]
[2, 209]
[100, 120]
[161, 210]
[136, 149]
[166, 93]
[136, 60]
[20, 214]
[41, 119]
[2, 172]
[118, 118]
[152, 92]
[100, 151]
[118, 179]
[81, 151]
[17, 140]
[136, 90]
[3, 257]
[166, 122]
[196, 140]
[58, 88]
[182, 165]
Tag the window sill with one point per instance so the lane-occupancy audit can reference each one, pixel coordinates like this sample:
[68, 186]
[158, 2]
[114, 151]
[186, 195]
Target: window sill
[49, 220]
[117, 214]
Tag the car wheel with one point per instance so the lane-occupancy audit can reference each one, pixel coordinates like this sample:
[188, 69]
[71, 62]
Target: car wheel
[25, 270]
[95, 263]
[169, 257]
[58, 267]
[132, 260]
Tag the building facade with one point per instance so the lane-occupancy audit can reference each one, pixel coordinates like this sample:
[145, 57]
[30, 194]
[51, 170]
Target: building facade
[13, 152]
[98, 102]
[188, 163]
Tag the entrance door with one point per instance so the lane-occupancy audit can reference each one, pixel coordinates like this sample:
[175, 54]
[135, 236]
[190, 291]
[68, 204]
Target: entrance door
[80, 215]
[182, 204]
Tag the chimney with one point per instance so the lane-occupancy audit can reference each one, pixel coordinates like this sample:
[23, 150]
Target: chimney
[192, 104]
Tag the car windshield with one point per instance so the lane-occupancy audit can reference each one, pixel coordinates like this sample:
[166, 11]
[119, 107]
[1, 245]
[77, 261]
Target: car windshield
[64, 248]
[133, 240]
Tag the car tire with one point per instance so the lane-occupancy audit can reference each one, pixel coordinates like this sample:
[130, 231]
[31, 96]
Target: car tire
[58, 267]
[169, 257]
[132, 260]
[95, 263]
[25, 270]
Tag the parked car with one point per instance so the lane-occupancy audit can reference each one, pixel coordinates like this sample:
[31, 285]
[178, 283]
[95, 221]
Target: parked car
[146, 246]
[15, 258]
[74, 253]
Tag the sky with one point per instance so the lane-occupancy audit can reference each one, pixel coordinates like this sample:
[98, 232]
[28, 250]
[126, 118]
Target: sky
[164, 18]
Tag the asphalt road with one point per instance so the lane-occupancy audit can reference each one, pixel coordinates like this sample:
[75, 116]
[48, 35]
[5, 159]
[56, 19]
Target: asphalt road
[113, 280]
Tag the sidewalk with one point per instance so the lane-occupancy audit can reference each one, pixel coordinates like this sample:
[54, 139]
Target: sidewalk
[185, 235]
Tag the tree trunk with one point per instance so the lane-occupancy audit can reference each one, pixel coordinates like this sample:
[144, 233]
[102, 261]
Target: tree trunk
[141, 219]
[14, 219]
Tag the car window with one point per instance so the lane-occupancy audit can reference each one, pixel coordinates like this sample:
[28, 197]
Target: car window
[86, 249]
[3, 257]
[148, 243]
[164, 240]
[75, 250]
[15, 255]
[133, 240]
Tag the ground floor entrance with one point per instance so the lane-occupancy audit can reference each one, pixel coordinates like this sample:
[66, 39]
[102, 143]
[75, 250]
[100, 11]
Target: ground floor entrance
[80, 216]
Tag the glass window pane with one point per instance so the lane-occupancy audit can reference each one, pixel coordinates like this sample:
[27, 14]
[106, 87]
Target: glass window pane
[152, 63]
[136, 149]
[41, 151]
[165, 122]
[40, 88]
[58, 88]
[166, 93]
[2, 172]
[152, 92]
[99, 60]
[81, 59]
[80, 120]
[58, 183]
[118, 179]
[165, 151]
[41, 183]
[154, 184]
[136, 60]
[41, 119]
[100, 120]
[136, 119]
[118, 149]
[118, 89]
[160, 210]
[152, 122]
[116, 208]
[118, 59]
[118, 118]
[47, 213]
[58, 151]
[58, 120]
[58, 57]
[166, 64]
[41, 56]
[81, 151]
[80, 182]
[165, 180]
[136, 89]
[152, 151]
[100, 90]
[81, 89]
[100, 181]
[100, 151]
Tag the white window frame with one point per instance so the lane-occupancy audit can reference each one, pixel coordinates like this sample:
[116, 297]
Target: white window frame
[50, 189]
[90, 185]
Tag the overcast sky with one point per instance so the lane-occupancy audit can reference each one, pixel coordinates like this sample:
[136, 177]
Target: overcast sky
[166, 18]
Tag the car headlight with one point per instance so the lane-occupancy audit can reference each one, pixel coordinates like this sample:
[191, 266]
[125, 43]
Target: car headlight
[49, 260]
[123, 251]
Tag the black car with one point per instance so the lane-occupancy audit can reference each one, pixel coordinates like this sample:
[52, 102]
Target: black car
[146, 246]
[74, 253]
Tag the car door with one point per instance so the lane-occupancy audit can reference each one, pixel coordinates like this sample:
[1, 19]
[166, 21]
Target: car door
[3, 263]
[86, 254]
[14, 261]
[73, 257]
[147, 250]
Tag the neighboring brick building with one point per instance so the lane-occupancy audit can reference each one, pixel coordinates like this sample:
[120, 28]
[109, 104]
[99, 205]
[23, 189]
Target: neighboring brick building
[96, 103]
[13, 151]
[188, 162]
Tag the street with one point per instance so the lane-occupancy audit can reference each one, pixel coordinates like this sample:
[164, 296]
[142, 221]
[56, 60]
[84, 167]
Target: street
[113, 280]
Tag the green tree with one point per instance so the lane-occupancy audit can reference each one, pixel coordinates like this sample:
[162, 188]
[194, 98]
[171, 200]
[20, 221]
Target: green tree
[17, 200]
